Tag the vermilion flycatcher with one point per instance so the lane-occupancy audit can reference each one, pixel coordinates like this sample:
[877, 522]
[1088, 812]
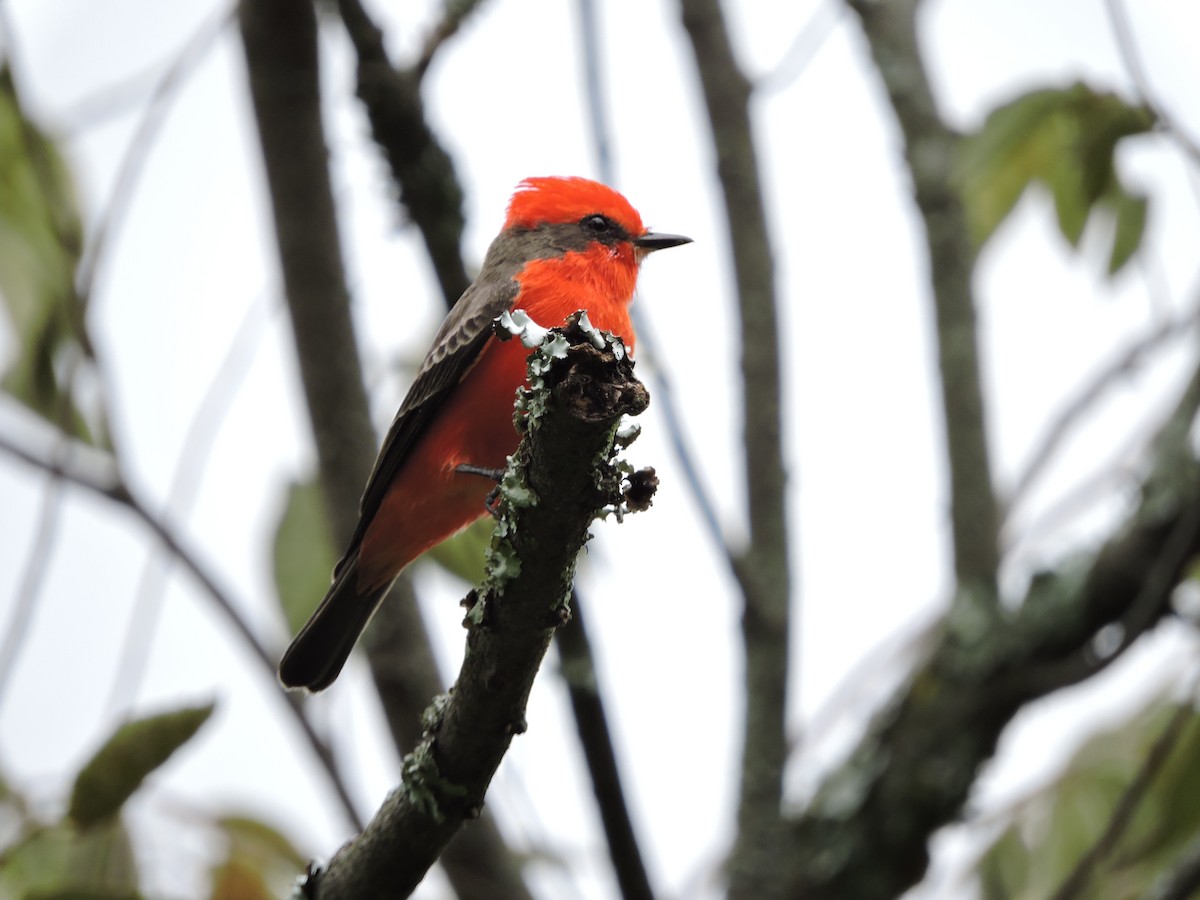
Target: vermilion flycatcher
[567, 244]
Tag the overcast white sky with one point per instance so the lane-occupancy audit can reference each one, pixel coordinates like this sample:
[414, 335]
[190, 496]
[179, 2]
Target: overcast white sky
[194, 258]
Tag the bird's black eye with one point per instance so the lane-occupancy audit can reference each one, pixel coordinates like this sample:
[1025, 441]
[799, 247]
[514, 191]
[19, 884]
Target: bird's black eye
[597, 225]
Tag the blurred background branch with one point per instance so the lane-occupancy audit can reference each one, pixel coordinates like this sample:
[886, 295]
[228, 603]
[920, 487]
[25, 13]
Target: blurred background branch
[762, 568]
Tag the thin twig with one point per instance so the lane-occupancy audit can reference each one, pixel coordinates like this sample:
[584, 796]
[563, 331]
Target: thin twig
[1172, 446]
[1182, 880]
[140, 145]
[573, 642]
[198, 442]
[593, 83]
[1122, 815]
[578, 670]
[649, 346]
[1126, 46]
[30, 584]
[106, 481]
[454, 13]
[1122, 366]
[804, 47]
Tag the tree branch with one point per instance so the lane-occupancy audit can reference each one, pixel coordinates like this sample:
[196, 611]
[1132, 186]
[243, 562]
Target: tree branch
[1118, 19]
[454, 13]
[1120, 367]
[578, 669]
[865, 834]
[561, 477]
[477, 861]
[421, 168]
[100, 475]
[762, 571]
[280, 41]
[929, 149]
[1182, 880]
[1122, 815]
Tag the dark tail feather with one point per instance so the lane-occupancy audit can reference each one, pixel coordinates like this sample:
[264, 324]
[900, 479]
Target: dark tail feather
[319, 651]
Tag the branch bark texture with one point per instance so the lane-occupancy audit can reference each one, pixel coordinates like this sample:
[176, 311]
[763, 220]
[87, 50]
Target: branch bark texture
[562, 476]
[763, 570]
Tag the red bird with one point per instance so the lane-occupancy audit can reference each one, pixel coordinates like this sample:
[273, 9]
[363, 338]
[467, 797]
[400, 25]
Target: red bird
[567, 244]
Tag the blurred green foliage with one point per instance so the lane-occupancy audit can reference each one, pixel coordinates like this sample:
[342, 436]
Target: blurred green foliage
[1065, 140]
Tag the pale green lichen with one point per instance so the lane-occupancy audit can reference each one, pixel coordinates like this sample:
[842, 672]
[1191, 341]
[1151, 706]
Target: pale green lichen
[431, 718]
[502, 562]
[627, 433]
[475, 614]
[423, 783]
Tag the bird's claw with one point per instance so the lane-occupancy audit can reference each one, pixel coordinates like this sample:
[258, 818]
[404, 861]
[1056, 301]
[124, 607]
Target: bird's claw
[496, 475]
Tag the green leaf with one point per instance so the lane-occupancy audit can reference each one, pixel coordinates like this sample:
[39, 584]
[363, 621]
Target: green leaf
[1005, 867]
[260, 862]
[133, 751]
[40, 241]
[1017, 144]
[1071, 205]
[61, 862]
[1066, 140]
[463, 555]
[252, 838]
[1129, 211]
[1052, 831]
[234, 880]
[303, 553]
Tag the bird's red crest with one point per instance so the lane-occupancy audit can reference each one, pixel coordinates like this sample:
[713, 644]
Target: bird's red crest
[558, 199]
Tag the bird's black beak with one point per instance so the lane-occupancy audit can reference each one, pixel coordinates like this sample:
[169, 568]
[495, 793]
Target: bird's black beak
[650, 241]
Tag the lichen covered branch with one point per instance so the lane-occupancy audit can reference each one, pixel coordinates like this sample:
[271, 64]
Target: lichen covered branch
[561, 478]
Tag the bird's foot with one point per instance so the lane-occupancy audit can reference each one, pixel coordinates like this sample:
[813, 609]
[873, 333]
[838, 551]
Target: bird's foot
[496, 475]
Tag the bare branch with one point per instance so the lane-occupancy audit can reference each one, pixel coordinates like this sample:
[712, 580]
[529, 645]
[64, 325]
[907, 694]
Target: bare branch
[648, 343]
[564, 457]
[593, 83]
[865, 834]
[1126, 46]
[454, 13]
[1120, 367]
[280, 40]
[1122, 814]
[1182, 880]
[186, 480]
[30, 585]
[763, 570]
[138, 151]
[572, 641]
[422, 170]
[929, 148]
[808, 41]
[97, 473]
[578, 669]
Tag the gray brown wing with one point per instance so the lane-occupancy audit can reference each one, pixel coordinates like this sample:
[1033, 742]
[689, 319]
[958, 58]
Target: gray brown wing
[458, 342]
